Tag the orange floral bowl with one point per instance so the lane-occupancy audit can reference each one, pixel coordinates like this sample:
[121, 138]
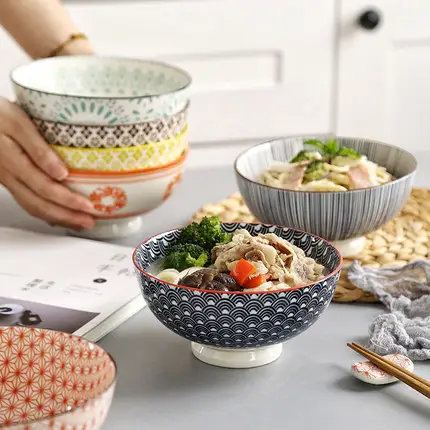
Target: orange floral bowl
[121, 198]
[53, 380]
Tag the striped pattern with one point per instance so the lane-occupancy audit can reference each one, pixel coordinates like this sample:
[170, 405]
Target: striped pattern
[332, 215]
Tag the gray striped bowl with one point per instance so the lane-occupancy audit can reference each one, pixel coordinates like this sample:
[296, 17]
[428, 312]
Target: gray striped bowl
[331, 215]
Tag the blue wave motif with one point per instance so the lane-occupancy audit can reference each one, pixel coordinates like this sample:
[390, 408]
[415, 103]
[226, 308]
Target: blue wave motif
[238, 320]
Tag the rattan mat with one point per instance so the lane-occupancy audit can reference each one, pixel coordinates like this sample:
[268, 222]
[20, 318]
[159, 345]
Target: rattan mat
[401, 240]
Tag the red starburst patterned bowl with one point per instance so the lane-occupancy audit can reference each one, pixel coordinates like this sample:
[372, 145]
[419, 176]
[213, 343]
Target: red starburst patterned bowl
[53, 380]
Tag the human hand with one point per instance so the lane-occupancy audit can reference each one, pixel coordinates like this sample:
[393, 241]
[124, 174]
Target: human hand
[33, 172]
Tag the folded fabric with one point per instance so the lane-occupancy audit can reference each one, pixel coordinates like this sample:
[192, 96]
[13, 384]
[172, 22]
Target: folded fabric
[405, 291]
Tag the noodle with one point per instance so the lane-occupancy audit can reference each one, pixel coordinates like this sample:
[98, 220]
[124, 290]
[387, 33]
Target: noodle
[311, 171]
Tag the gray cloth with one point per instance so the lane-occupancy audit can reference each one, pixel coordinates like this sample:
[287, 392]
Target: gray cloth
[405, 291]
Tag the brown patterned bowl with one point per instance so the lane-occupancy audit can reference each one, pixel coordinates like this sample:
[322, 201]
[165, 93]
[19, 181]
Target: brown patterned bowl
[53, 380]
[112, 136]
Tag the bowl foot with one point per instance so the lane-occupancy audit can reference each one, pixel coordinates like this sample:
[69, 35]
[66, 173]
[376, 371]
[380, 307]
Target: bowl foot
[350, 247]
[236, 358]
[111, 229]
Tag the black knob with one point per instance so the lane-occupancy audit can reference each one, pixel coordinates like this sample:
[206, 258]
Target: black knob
[369, 20]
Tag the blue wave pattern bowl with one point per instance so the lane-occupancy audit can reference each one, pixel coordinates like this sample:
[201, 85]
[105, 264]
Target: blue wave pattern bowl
[238, 329]
[92, 90]
[341, 217]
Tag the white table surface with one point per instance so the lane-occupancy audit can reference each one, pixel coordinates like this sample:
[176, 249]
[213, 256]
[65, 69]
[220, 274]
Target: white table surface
[161, 386]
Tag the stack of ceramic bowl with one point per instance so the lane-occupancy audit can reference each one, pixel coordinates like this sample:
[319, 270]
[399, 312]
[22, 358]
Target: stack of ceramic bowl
[120, 125]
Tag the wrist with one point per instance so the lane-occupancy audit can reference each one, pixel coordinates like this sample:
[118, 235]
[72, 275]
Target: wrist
[76, 47]
[75, 44]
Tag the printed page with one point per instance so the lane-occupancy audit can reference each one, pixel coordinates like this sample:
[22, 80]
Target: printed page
[65, 276]
[57, 255]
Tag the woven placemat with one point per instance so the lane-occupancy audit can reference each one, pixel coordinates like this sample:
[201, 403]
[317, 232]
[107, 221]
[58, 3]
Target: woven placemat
[401, 240]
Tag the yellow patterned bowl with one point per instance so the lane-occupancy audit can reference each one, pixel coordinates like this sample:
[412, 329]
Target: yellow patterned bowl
[130, 158]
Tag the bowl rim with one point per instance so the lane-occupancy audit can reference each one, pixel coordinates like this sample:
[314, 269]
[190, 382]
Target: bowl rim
[73, 408]
[105, 174]
[331, 274]
[183, 111]
[101, 58]
[270, 142]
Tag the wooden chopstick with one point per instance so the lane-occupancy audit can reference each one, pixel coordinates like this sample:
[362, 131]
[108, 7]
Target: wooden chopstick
[401, 369]
[409, 378]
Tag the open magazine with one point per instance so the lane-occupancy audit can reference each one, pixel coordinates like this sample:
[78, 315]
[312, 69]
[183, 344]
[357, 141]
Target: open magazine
[73, 285]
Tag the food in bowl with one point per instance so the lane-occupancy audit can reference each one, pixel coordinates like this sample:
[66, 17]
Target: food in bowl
[332, 168]
[340, 217]
[90, 89]
[237, 261]
[244, 328]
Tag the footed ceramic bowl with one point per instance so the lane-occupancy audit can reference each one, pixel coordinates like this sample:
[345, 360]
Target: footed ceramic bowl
[120, 199]
[53, 380]
[238, 329]
[126, 159]
[99, 90]
[112, 136]
[344, 217]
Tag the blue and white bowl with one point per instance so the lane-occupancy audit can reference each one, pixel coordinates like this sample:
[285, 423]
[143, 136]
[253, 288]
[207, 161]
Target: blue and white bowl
[342, 217]
[238, 329]
[92, 90]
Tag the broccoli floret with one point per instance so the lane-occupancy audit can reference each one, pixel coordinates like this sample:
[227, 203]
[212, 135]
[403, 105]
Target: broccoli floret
[207, 233]
[305, 156]
[315, 142]
[331, 149]
[183, 256]
[316, 170]
[194, 250]
[349, 153]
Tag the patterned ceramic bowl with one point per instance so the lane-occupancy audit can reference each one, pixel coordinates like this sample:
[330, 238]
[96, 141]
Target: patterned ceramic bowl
[112, 136]
[125, 159]
[342, 217]
[238, 329]
[101, 91]
[52, 380]
[120, 199]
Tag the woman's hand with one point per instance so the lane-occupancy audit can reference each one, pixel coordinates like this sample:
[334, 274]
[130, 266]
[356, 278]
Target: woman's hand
[32, 172]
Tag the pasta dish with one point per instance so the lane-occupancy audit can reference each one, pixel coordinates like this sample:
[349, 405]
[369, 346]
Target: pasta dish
[328, 168]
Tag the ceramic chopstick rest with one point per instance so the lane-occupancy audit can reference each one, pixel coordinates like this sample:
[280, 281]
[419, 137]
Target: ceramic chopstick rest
[368, 372]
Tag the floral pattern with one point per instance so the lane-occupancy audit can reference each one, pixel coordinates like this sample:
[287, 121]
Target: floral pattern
[108, 199]
[368, 372]
[53, 380]
[172, 183]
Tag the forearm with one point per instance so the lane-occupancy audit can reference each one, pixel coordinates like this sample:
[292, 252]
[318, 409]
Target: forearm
[40, 26]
